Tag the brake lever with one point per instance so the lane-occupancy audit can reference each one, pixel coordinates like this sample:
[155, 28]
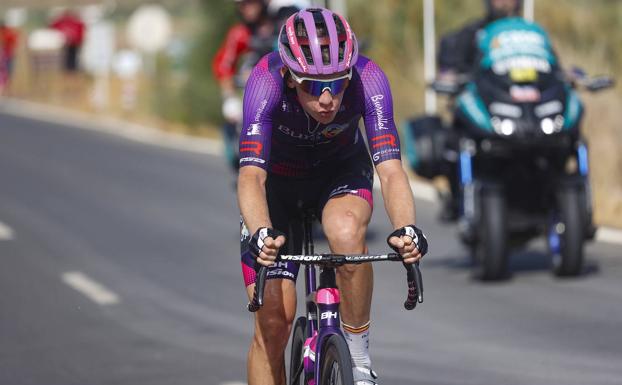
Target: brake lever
[257, 302]
[415, 285]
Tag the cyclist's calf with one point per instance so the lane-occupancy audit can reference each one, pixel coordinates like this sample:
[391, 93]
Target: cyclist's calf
[273, 322]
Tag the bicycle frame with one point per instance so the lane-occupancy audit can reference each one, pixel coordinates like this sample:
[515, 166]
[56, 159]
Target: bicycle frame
[324, 301]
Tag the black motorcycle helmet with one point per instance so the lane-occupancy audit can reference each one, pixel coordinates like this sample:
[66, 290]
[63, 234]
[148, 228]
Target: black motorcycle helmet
[493, 14]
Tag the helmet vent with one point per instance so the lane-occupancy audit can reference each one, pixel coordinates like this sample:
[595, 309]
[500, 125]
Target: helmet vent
[306, 50]
[299, 26]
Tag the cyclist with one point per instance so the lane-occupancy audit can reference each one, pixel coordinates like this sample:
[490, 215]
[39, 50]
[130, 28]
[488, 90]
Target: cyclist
[301, 143]
[241, 39]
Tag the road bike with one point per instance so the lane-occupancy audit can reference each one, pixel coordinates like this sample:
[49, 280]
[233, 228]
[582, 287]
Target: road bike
[319, 352]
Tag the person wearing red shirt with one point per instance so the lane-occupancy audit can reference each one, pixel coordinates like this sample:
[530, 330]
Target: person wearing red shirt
[8, 44]
[246, 38]
[72, 27]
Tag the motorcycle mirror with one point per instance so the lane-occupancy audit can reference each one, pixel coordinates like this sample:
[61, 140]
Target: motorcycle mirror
[578, 73]
[600, 83]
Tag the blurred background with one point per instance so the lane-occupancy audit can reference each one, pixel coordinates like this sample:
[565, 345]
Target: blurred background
[149, 233]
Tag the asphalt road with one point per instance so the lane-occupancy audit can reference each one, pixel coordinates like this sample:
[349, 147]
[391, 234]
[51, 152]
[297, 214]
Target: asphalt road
[152, 235]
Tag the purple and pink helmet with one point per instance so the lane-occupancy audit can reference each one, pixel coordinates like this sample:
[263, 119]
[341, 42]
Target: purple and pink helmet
[317, 41]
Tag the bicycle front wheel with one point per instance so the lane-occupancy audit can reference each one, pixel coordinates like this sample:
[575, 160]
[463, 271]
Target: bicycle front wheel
[336, 366]
[296, 363]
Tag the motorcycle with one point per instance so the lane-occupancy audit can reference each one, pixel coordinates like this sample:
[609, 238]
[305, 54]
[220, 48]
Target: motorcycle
[514, 154]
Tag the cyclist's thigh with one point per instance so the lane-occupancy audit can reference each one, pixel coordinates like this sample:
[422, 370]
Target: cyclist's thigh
[350, 189]
[282, 215]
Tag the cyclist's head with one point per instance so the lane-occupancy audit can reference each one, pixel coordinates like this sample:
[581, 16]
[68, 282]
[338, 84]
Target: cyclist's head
[317, 41]
[503, 8]
[252, 11]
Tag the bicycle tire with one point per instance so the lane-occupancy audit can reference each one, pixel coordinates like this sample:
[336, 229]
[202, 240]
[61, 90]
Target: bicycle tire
[296, 362]
[336, 365]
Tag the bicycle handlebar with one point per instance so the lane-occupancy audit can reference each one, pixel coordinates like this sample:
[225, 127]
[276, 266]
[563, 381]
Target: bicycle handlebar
[413, 273]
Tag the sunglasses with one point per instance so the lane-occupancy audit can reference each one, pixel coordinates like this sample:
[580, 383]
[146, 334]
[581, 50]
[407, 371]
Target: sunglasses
[316, 87]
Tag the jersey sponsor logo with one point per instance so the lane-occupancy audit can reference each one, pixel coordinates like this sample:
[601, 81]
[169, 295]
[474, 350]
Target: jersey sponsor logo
[252, 146]
[252, 159]
[377, 155]
[260, 109]
[254, 129]
[333, 130]
[329, 132]
[296, 135]
[381, 121]
[383, 140]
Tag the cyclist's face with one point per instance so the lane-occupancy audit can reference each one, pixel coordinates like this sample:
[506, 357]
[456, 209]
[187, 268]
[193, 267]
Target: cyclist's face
[250, 10]
[322, 108]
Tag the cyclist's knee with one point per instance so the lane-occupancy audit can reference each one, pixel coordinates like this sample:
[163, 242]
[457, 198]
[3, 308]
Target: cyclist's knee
[272, 329]
[346, 230]
[348, 271]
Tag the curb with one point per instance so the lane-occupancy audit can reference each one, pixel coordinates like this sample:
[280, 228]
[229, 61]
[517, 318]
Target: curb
[156, 137]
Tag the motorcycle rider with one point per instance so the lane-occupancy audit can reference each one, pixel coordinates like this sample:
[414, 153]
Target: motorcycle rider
[457, 58]
[458, 49]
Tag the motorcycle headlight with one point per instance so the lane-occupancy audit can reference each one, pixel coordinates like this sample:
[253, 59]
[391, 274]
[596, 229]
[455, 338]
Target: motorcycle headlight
[547, 125]
[504, 127]
[550, 126]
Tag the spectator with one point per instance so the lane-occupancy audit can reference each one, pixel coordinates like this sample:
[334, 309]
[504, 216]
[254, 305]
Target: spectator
[8, 43]
[72, 27]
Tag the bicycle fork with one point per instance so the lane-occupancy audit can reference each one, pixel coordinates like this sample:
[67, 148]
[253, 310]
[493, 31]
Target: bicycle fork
[327, 300]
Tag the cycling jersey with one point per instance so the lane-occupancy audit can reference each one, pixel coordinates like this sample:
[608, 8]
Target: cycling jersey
[281, 138]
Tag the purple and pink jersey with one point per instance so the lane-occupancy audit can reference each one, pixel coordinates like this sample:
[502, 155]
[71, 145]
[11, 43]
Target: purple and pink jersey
[281, 138]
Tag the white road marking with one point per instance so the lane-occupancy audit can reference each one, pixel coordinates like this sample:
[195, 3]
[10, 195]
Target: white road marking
[6, 233]
[93, 290]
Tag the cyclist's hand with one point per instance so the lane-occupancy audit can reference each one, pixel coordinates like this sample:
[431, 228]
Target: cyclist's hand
[265, 245]
[409, 242]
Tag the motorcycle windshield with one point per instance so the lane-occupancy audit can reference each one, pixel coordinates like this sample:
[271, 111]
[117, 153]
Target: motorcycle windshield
[516, 48]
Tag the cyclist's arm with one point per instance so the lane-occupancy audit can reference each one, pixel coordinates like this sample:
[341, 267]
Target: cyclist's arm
[396, 192]
[252, 198]
[384, 146]
[261, 96]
